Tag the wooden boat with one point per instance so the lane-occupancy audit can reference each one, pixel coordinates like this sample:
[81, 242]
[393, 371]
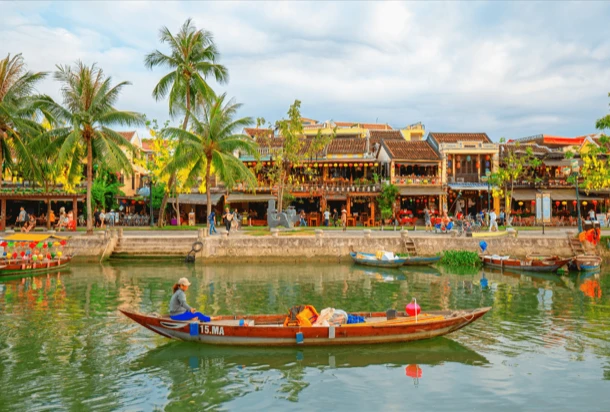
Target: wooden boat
[586, 263]
[527, 264]
[370, 259]
[21, 265]
[421, 260]
[485, 234]
[268, 330]
[18, 266]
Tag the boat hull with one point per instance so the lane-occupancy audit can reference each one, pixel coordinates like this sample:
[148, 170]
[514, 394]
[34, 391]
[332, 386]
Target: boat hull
[421, 261]
[584, 263]
[527, 265]
[267, 330]
[372, 261]
[12, 268]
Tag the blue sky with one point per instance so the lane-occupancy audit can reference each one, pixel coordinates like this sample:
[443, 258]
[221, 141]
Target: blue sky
[508, 69]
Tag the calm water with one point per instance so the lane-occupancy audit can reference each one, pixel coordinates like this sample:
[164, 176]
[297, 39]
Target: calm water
[64, 346]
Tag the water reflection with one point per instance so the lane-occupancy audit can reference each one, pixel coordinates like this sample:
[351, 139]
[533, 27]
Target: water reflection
[63, 344]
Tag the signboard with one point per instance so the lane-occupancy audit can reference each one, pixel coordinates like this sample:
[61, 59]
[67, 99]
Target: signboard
[543, 207]
[575, 166]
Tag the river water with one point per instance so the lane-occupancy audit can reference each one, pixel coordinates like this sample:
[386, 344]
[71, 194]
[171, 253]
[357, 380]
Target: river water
[545, 346]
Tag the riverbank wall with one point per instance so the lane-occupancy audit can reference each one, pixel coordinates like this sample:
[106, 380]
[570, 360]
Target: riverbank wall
[300, 248]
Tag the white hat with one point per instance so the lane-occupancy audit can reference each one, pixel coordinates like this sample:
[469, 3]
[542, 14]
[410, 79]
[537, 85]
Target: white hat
[184, 281]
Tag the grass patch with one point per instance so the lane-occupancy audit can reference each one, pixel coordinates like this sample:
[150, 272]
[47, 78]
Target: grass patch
[461, 259]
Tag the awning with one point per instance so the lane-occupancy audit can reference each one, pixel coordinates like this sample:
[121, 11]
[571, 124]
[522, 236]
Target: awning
[558, 162]
[422, 191]
[524, 194]
[30, 237]
[563, 194]
[248, 197]
[468, 186]
[195, 199]
[336, 196]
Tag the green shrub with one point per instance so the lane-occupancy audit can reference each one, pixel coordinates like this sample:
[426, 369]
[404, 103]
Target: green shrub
[461, 258]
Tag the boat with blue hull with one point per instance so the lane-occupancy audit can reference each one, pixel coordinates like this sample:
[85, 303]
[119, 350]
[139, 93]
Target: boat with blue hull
[586, 263]
[371, 259]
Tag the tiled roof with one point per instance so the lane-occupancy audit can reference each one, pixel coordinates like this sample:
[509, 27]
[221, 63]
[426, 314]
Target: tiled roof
[460, 137]
[386, 134]
[347, 146]
[270, 142]
[252, 132]
[368, 126]
[536, 148]
[306, 145]
[127, 135]
[410, 150]
[308, 120]
[314, 126]
[147, 145]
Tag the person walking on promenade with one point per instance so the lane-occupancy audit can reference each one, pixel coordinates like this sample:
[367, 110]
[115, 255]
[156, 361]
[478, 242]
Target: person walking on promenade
[212, 220]
[335, 217]
[179, 309]
[22, 218]
[492, 221]
[302, 221]
[427, 219]
[344, 218]
[326, 218]
[228, 219]
[501, 217]
[592, 215]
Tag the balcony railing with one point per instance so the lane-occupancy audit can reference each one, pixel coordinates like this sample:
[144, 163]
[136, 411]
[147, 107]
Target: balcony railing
[465, 178]
[416, 180]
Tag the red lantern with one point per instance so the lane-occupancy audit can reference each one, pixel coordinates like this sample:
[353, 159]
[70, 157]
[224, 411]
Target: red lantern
[63, 242]
[14, 255]
[22, 253]
[133, 202]
[595, 202]
[533, 202]
[32, 245]
[574, 202]
[557, 203]
[44, 245]
[49, 256]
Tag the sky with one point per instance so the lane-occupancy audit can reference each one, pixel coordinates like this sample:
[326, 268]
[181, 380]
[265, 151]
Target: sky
[510, 69]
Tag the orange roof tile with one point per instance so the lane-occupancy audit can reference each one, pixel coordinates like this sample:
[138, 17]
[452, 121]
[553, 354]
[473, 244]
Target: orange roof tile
[127, 135]
[460, 137]
[368, 126]
[410, 150]
[386, 134]
[347, 146]
[253, 132]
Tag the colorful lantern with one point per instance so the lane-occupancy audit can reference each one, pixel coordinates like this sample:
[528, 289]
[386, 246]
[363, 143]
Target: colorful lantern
[468, 158]
[345, 165]
[564, 203]
[533, 202]
[63, 242]
[59, 254]
[22, 253]
[574, 202]
[520, 203]
[133, 202]
[34, 258]
[366, 165]
[557, 203]
[584, 203]
[595, 202]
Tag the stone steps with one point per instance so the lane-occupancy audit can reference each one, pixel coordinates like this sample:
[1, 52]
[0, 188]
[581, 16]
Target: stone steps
[146, 246]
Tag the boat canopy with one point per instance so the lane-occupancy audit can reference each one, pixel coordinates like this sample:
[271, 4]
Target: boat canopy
[30, 237]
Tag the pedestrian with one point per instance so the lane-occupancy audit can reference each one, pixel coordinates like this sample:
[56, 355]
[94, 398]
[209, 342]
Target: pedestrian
[236, 220]
[492, 221]
[326, 218]
[335, 217]
[427, 219]
[96, 216]
[212, 222]
[302, 221]
[227, 219]
[501, 217]
[592, 215]
[22, 218]
[344, 218]
[608, 218]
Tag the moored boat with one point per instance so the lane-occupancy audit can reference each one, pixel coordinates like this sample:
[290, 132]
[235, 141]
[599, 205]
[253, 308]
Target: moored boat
[269, 330]
[371, 259]
[586, 263]
[529, 264]
[421, 260]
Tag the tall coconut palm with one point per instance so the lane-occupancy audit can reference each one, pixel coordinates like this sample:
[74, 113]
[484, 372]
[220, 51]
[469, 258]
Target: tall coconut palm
[88, 114]
[208, 147]
[16, 112]
[192, 59]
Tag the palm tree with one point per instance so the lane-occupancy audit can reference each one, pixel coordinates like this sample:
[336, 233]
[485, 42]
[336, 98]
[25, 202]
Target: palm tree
[192, 59]
[17, 123]
[88, 114]
[207, 148]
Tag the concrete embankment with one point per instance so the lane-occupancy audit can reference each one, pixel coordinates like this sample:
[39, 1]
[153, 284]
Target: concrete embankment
[300, 248]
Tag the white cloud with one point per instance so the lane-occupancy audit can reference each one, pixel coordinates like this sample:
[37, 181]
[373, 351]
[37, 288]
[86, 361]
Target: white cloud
[508, 69]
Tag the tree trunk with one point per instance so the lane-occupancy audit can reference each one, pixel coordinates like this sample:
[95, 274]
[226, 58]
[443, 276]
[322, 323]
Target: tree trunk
[172, 178]
[89, 186]
[1, 159]
[208, 195]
